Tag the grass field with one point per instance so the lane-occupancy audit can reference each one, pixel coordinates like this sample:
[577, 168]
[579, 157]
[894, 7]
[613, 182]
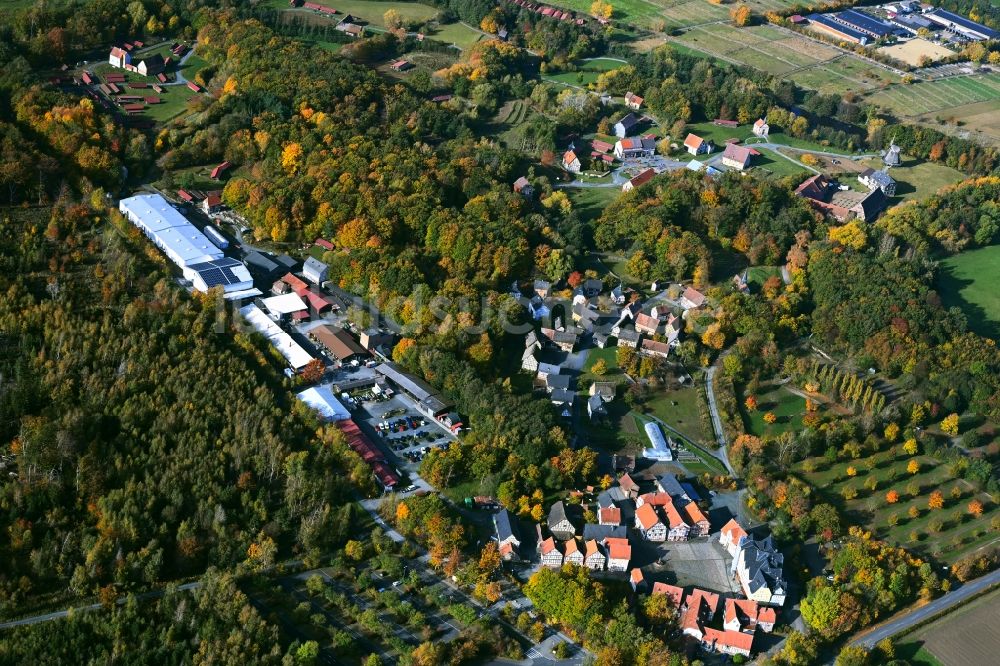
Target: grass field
[679, 408]
[967, 635]
[631, 11]
[969, 280]
[373, 11]
[589, 202]
[758, 275]
[936, 96]
[778, 165]
[788, 407]
[587, 71]
[917, 179]
[959, 534]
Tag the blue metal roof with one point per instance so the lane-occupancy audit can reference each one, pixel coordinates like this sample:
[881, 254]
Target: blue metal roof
[865, 23]
[839, 27]
[968, 24]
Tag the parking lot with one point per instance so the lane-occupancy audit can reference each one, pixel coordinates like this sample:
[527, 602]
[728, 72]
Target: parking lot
[702, 563]
[401, 428]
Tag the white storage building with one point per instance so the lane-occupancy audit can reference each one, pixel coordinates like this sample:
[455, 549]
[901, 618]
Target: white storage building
[284, 304]
[322, 399]
[169, 230]
[660, 449]
[293, 352]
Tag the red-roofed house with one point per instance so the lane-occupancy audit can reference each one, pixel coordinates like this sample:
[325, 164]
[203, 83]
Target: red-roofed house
[194, 86]
[573, 554]
[633, 101]
[639, 180]
[696, 518]
[726, 642]
[551, 556]
[323, 243]
[628, 486]
[679, 530]
[636, 578]
[619, 553]
[185, 195]
[212, 203]
[593, 558]
[761, 128]
[692, 298]
[736, 156]
[674, 594]
[119, 57]
[746, 615]
[571, 162]
[697, 145]
[162, 78]
[151, 100]
[730, 537]
[649, 523]
[647, 324]
[609, 515]
[219, 170]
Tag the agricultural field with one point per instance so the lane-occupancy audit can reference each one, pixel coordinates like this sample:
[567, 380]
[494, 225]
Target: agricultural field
[969, 280]
[685, 13]
[779, 52]
[967, 635]
[631, 11]
[948, 532]
[936, 96]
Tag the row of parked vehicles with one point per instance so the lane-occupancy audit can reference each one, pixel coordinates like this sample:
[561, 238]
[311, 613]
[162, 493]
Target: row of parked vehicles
[400, 425]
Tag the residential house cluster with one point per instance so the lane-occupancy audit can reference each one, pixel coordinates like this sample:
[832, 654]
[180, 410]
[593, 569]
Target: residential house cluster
[547, 11]
[698, 609]
[670, 513]
[599, 550]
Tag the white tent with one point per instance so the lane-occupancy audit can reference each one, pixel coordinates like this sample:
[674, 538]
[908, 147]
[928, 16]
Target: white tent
[321, 399]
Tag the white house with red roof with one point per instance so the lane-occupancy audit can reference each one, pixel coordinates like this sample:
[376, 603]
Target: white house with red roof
[696, 145]
[636, 579]
[761, 128]
[730, 537]
[747, 615]
[593, 558]
[736, 156]
[650, 524]
[571, 162]
[552, 557]
[609, 515]
[119, 57]
[619, 553]
[572, 553]
[633, 101]
[696, 519]
[691, 298]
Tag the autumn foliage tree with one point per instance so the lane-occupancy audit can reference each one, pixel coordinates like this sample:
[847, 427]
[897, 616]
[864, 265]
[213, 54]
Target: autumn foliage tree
[892, 497]
[975, 508]
[936, 500]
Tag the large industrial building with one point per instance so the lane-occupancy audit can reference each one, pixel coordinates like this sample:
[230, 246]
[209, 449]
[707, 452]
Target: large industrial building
[293, 352]
[204, 264]
[961, 25]
[322, 399]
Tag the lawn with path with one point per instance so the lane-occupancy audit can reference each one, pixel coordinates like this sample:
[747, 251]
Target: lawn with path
[788, 407]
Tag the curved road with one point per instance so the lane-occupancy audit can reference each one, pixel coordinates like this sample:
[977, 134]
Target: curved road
[928, 611]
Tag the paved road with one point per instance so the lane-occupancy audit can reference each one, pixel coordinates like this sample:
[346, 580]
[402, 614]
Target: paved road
[57, 615]
[928, 611]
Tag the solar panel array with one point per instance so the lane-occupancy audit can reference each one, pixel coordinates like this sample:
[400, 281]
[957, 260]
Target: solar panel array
[218, 272]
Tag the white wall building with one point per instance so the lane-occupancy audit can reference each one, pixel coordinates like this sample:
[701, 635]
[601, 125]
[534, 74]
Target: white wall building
[293, 352]
[321, 399]
[169, 230]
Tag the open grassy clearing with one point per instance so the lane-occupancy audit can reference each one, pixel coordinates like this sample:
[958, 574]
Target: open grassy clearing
[969, 280]
[632, 11]
[693, 12]
[960, 533]
[613, 373]
[785, 405]
[173, 102]
[967, 635]
[918, 180]
[777, 165]
[587, 71]
[758, 275]
[680, 409]
[979, 119]
[589, 202]
[934, 96]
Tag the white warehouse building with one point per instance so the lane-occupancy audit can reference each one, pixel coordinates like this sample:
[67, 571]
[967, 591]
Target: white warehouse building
[204, 264]
[293, 352]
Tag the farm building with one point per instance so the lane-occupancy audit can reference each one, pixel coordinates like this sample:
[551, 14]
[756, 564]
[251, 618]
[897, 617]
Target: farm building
[635, 147]
[958, 23]
[401, 65]
[841, 31]
[523, 187]
[633, 101]
[863, 23]
[284, 304]
[625, 126]
[212, 203]
[219, 170]
[151, 66]
[119, 57]
[736, 156]
[641, 179]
